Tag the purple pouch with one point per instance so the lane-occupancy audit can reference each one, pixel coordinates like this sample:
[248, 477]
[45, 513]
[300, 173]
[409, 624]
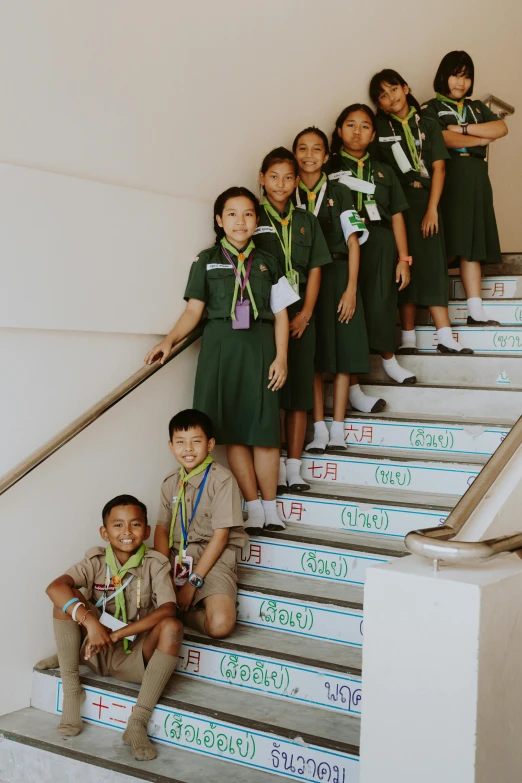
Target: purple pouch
[242, 315]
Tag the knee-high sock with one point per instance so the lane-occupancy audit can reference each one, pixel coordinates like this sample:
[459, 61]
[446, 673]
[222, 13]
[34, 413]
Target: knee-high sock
[68, 638]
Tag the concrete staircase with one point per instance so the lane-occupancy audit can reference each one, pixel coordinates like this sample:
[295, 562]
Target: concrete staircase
[282, 697]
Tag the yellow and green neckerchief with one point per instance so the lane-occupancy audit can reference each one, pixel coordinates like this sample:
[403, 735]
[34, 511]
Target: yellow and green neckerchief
[241, 258]
[133, 562]
[461, 105]
[312, 194]
[183, 479]
[286, 240]
[410, 141]
[360, 172]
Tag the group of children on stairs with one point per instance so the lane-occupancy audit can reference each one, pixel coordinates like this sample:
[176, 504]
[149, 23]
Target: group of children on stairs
[306, 283]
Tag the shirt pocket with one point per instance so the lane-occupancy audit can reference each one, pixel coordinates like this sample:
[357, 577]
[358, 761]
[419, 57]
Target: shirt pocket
[221, 283]
[261, 285]
[301, 253]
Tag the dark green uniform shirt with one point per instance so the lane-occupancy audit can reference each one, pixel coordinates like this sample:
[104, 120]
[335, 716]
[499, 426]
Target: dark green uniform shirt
[428, 140]
[212, 280]
[309, 248]
[337, 199]
[445, 114]
[388, 195]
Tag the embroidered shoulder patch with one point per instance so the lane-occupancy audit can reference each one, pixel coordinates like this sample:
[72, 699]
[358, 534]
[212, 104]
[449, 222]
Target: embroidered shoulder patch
[302, 230]
[196, 260]
[380, 174]
[330, 202]
[262, 268]
[425, 106]
[423, 136]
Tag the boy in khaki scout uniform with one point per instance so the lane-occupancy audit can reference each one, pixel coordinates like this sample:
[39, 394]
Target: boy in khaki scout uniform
[200, 527]
[124, 581]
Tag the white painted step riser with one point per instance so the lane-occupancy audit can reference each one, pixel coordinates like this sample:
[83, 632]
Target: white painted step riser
[495, 372]
[306, 560]
[382, 520]
[506, 312]
[418, 436]
[498, 287]
[470, 404]
[408, 476]
[303, 618]
[503, 340]
[261, 674]
[197, 733]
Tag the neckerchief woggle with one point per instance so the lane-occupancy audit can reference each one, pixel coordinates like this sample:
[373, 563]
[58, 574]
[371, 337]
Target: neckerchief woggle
[180, 500]
[314, 201]
[117, 574]
[241, 257]
[410, 141]
[286, 241]
[360, 173]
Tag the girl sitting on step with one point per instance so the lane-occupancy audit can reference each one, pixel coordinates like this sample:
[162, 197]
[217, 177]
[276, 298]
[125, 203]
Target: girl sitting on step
[385, 268]
[467, 199]
[413, 146]
[243, 360]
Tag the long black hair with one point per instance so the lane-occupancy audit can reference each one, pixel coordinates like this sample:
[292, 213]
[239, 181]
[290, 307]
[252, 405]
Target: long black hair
[279, 155]
[318, 132]
[220, 203]
[341, 119]
[453, 64]
[389, 76]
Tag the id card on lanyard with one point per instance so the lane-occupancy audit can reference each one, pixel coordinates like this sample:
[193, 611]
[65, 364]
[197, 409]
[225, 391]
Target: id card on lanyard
[241, 308]
[286, 243]
[183, 563]
[108, 620]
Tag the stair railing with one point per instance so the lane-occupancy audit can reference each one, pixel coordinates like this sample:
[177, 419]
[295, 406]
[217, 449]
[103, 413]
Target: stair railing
[435, 542]
[10, 478]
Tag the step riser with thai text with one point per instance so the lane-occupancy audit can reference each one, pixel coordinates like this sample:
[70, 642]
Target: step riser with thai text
[503, 340]
[497, 287]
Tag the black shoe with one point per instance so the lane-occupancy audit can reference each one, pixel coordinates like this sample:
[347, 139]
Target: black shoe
[299, 487]
[441, 348]
[411, 380]
[471, 322]
[282, 489]
[379, 405]
[407, 350]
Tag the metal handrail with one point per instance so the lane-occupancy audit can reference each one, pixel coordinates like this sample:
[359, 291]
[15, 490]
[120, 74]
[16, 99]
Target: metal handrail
[9, 479]
[435, 542]
[503, 109]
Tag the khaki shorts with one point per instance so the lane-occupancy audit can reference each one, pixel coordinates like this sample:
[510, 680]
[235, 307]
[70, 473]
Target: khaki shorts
[222, 577]
[116, 663]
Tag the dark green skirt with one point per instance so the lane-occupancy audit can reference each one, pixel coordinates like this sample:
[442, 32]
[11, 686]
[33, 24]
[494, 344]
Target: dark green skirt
[379, 288]
[470, 228]
[340, 347]
[298, 392]
[232, 383]
[429, 272]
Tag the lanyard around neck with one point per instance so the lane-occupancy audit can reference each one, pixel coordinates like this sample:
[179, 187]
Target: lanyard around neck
[359, 172]
[185, 530]
[460, 105]
[180, 499]
[410, 141]
[286, 231]
[314, 201]
[241, 284]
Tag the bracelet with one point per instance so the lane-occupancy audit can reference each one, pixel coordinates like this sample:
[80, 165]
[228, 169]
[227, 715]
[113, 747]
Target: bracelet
[304, 316]
[80, 622]
[409, 259]
[73, 615]
[464, 126]
[68, 604]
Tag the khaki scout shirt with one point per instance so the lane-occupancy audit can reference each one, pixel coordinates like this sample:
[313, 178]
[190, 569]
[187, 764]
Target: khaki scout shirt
[219, 507]
[155, 586]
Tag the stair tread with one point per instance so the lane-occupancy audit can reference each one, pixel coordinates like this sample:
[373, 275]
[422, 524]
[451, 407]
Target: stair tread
[374, 496]
[332, 730]
[315, 653]
[103, 748]
[454, 387]
[300, 588]
[340, 539]
[413, 455]
[429, 418]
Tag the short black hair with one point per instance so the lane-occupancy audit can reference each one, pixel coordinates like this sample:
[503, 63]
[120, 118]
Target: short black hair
[341, 119]
[279, 155]
[188, 419]
[389, 76]
[453, 64]
[123, 500]
[318, 132]
[220, 203]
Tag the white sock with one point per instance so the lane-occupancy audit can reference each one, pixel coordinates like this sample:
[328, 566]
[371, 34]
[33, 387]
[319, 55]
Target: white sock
[293, 474]
[272, 521]
[408, 339]
[281, 481]
[476, 309]
[361, 401]
[336, 439]
[445, 336]
[395, 371]
[256, 515]
[320, 441]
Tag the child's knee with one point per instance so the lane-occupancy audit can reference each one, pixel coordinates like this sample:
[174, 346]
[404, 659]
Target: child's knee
[220, 624]
[171, 631]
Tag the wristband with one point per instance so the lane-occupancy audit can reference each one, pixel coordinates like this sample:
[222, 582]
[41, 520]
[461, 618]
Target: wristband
[304, 316]
[464, 126]
[409, 259]
[84, 616]
[68, 604]
[73, 615]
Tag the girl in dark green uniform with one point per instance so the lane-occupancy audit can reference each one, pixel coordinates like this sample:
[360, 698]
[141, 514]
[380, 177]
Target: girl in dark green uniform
[295, 238]
[243, 359]
[385, 261]
[414, 147]
[470, 227]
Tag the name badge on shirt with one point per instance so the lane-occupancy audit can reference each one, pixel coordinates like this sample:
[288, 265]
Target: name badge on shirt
[182, 571]
[218, 266]
[265, 230]
[372, 210]
[389, 138]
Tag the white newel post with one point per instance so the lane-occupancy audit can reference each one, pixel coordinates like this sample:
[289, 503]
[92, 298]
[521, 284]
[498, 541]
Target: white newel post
[442, 673]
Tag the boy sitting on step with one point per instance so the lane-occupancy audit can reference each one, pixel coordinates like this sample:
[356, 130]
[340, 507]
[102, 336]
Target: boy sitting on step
[125, 582]
[200, 527]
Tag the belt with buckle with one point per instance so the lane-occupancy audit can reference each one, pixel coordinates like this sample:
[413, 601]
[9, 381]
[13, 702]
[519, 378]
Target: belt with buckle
[464, 154]
[416, 184]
